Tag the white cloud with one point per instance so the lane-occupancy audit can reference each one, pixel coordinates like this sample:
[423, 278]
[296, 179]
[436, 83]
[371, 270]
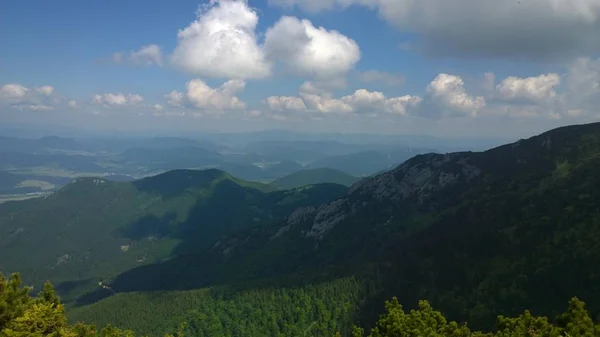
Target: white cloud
[326, 104]
[447, 95]
[200, 95]
[363, 98]
[12, 91]
[308, 50]
[575, 94]
[375, 76]
[72, 104]
[45, 90]
[147, 55]
[361, 101]
[158, 107]
[117, 99]
[280, 103]
[21, 98]
[540, 89]
[34, 107]
[222, 43]
[401, 105]
[528, 28]
[175, 98]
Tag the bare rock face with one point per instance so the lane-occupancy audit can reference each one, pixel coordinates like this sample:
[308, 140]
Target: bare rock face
[329, 215]
[301, 215]
[280, 232]
[420, 177]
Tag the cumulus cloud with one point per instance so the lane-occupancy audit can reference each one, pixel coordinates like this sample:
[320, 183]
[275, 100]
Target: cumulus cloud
[308, 50]
[531, 29]
[326, 104]
[446, 95]
[145, 56]
[222, 43]
[72, 104]
[200, 95]
[539, 89]
[375, 76]
[573, 94]
[20, 97]
[12, 91]
[175, 98]
[280, 103]
[362, 101]
[45, 90]
[117, 99]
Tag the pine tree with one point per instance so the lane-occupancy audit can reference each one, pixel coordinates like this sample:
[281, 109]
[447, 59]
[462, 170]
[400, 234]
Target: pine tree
[43, 316]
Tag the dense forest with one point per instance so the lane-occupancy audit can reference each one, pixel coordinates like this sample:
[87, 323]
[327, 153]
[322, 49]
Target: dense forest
[22, 315]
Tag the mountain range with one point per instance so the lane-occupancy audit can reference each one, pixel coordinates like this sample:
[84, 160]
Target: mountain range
[476, 233]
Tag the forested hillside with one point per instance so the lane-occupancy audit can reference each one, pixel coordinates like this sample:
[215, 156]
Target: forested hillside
[93, 229]
[477, 234]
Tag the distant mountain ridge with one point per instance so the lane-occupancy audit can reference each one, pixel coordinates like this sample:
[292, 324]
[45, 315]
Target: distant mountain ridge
[314, 176]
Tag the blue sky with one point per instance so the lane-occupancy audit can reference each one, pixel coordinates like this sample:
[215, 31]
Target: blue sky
[450, 68]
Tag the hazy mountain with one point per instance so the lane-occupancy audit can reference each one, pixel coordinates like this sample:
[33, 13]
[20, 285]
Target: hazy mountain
[367, 163]
[314, 176]
[171, 158]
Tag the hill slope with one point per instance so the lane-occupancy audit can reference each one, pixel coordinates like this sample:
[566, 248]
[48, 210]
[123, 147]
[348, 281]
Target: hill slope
[93, 229]
[314, 176]
[476, 233]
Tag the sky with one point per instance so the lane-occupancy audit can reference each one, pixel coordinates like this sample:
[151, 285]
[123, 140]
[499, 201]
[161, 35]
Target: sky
[435, 67]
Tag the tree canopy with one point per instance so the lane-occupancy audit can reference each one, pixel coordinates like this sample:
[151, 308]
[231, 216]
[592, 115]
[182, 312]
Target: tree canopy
[22, 315]
[425, 321]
